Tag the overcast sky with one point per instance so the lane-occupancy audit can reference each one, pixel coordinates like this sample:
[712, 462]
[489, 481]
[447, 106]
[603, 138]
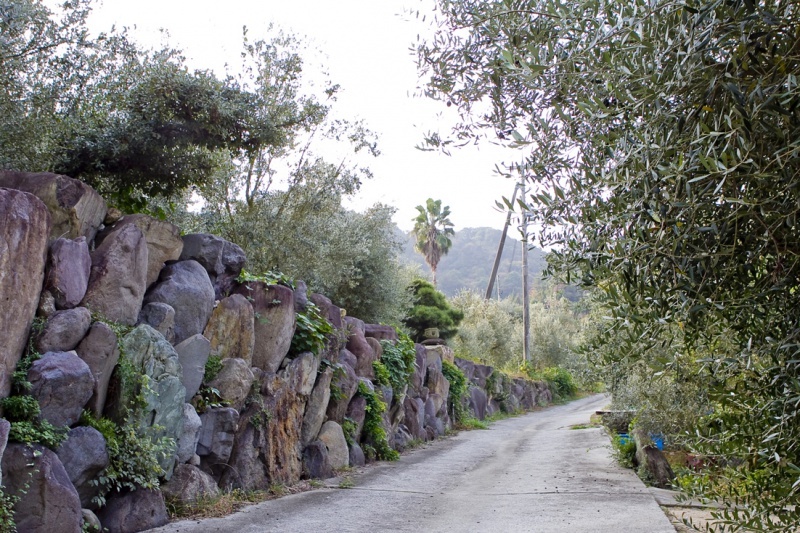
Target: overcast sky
[365, 48]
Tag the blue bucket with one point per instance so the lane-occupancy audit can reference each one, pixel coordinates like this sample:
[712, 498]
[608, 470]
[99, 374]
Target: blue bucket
[624, 438]
[658, 440]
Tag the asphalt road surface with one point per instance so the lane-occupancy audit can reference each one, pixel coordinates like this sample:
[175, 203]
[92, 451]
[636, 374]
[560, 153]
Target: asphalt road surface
[532, 473]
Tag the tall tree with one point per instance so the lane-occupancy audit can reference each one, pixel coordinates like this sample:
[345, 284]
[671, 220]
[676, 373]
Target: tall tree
[433, 231]
[662, 140]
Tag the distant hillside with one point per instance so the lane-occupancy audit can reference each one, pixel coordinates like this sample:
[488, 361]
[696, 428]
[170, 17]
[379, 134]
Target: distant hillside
[469, 263]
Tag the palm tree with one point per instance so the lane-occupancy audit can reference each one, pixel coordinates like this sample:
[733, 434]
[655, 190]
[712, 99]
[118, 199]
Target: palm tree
[433, 230]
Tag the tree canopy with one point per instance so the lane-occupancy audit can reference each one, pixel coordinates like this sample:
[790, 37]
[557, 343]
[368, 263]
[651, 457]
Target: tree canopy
[662, 140]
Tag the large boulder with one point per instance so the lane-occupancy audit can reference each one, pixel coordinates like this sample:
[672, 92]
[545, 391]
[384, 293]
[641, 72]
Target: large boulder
[187, 441]
[188, 485]
[437, 383]
[217, 432]
[119, 276]
[222, 260]
[48, 502]
[230, 330]
[24, 236]
[160, 317]
[186, 287]
[5, 429]
[358, 345]
[316, 464]
[317, 404]
[343, 387]
[99, 350]
[415, 417]
[233, 381]
[62, 384]
[357, 412]
[149, 353]
[76, 209]
[163, 240]
[417, 379]
[84, 455]
[246, 467]
[193, 355]
[478, 402]
[131, 512]
[274, 322]
[332, 436]
[64, 330]
[69, 265]
[332, 313]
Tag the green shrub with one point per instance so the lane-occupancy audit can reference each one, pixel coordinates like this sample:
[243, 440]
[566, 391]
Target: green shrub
[311, 333]
[399, 359]
[430, 309]
[375, 439]
[458, 390]
[624, 451]
[382, 376]
[562, 385]
[134, 458]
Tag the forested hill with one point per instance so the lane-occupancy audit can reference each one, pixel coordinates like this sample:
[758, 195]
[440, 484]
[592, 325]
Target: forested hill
[469, 262]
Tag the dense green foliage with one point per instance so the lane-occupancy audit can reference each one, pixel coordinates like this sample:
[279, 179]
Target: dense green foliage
[491, 331]
[458, 392]
[399, 359]
[376, 444]
[430, 309]
[311, 332]
[663, 162]
[562, 385]
[433, 232]
[134, 458]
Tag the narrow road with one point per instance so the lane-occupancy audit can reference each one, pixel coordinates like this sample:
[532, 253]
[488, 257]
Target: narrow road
[526, 474]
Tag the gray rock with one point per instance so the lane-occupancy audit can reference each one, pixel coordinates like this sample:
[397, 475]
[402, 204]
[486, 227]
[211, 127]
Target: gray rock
[380, 332]
[231, 329]
[357, 457]
[332, 313]
[222, 260]
[343, 387]
[215, 440]
[187, 441]
[193, 354]
[316, 464]
[24, 233]
[151, 355]
[300, 296]
[188, 485]
[187, 288]
[437, 384]
[163, 239]
[332, 436]
[417, 380]
[317, 404]
[402, 438]
[305, 371]
[47, 500]
[274, 323]
[234, 381]
[415, 417]
[358, 345]
[76, 209]
[131, 512]
[433, 357]
[478, 402]
[346, 357]
[467, 367]
[247, 466]
[357, 412]
[160, 317]
[68, 267]
[47, 305]
[84, 454]
[119, 276]
[91, 524]
[99, 350]
[62, 384]
[64, 330]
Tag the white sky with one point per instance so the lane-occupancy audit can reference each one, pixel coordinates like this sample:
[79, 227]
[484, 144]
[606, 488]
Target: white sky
[366, 50]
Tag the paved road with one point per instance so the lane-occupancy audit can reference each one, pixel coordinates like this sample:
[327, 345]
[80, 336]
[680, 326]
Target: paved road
[527, 474]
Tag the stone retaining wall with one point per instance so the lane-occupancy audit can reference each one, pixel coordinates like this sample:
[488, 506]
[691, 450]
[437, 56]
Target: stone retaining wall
[86, 273]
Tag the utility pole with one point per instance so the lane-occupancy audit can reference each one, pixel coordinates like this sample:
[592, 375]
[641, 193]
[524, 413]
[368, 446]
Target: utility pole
[526, 319]
[497, 257]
